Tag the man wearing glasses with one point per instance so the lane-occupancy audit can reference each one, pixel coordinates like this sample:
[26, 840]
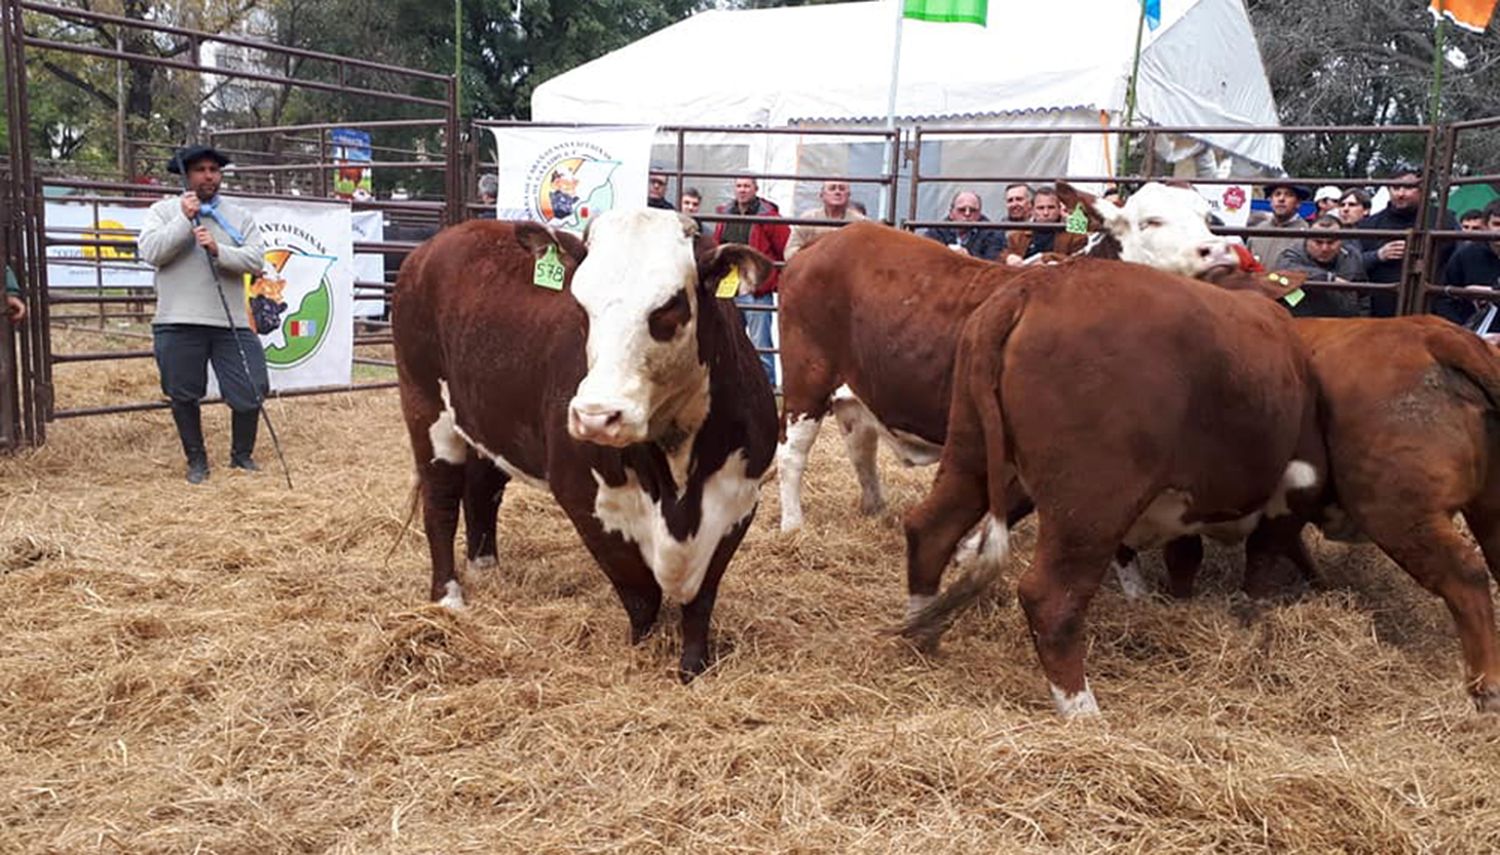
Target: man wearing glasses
[980, 243]
[656, 195]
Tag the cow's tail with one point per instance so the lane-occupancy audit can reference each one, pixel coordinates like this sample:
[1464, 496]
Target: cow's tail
[411, 513]
[977, 430]
[1471, 358]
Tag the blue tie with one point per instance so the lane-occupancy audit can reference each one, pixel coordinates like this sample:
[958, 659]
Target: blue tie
[211, 209]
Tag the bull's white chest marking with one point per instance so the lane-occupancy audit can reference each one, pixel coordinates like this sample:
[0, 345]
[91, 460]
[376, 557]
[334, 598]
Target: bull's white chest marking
[729, 496]
[448, 440]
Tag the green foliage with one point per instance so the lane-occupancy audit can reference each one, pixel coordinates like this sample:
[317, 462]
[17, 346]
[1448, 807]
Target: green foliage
[1362, 62]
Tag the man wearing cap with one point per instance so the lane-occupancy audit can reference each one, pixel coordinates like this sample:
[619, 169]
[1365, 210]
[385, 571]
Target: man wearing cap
[1284, 197]
[1327, 202]
[201, 244]
[1383, 256]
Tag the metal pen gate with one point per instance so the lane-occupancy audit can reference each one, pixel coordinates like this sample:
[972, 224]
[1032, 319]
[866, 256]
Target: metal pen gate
[31, 390]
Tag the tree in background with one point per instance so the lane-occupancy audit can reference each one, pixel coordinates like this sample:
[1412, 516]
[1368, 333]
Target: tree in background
[1369, 62]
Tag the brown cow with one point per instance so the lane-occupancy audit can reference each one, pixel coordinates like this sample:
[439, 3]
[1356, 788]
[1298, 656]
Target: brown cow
[1133, 406]
[1413, 438]
[630, 394]
[1410, 427]
[869, 321]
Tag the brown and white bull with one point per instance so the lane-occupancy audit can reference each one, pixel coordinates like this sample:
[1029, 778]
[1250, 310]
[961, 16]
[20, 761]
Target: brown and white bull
[631, 394]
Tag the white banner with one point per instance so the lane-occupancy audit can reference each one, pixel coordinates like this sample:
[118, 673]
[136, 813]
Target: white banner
[95, 266]
[565, 176]
[369, 227]
[1228, 202]
[310, 249]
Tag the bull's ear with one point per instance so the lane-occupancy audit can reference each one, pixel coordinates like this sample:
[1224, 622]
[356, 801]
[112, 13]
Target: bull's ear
[537, 239]
[734, 260]
[1070, 198]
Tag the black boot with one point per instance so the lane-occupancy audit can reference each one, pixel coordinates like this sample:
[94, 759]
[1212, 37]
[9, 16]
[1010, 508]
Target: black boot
[190, 431]
[243, 427]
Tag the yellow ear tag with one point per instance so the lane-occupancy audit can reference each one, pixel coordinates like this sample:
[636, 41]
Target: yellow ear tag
[729, 286]
[549, 270]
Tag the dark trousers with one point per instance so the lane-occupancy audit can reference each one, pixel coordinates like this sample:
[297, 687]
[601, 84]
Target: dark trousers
[184, 351]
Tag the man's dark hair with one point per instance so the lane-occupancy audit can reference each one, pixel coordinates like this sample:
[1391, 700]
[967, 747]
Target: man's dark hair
[693, 192]
[1328, 221]
[1471, 214]
[1044, 190]
[1360, 196]
[1492, 210]
[1023, 185]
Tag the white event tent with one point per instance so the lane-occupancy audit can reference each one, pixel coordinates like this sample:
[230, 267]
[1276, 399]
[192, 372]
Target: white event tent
[1063, 63]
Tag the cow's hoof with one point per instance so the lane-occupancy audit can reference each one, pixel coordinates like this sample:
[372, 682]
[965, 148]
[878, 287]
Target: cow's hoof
[482, 562]
[691, 666]
[640, 632]
[1073, 705]
[453, 596]
[1487, 700]
[872, 507]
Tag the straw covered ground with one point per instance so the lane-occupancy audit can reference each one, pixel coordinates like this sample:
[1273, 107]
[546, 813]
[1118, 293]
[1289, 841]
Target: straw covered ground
[238, 668]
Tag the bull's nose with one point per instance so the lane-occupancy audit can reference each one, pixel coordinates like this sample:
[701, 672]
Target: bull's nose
[1213, 253]
[595, 423]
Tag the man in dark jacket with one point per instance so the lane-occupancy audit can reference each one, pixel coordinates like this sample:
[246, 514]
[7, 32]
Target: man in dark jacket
[1324, 258]
[769, 238]
[980, 243]
[1383, 257]
[1473, 263]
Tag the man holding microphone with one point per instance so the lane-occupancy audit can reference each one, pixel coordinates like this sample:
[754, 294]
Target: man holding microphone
[201, 246]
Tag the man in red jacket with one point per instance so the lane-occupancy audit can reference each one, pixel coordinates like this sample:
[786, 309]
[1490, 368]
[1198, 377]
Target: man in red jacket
[769, 238]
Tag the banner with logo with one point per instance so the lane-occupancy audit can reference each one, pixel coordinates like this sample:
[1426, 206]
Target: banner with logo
[565, 176]
[351, 151]
[305, 291]
[95, 266]
[1228, 202]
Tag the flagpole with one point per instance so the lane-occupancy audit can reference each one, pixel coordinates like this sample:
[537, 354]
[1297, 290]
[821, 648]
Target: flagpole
[1135, 73]
[1435, 98]
[890, 103]
[887, 203]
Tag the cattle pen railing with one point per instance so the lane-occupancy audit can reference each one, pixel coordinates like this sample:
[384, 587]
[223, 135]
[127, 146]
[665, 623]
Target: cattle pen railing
[30, 394]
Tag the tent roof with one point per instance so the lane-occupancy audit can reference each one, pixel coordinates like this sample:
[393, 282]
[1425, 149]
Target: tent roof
[831, 63]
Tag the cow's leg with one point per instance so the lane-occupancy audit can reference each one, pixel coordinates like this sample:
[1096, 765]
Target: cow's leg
[801, 432]
[442, 494]
[957, 500]
[1274, 539]
[1127, 568]
[484, 488]
[862, 442]
[1432, 551]
[1483, 517]
[1183, 557]
[1065, 573]
[441, 455]
[697, 615]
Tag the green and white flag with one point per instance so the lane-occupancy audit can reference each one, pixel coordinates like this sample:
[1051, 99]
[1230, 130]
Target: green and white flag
[954, 11]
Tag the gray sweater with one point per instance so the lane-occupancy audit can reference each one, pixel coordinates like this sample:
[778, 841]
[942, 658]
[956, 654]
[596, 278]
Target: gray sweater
[184, 289]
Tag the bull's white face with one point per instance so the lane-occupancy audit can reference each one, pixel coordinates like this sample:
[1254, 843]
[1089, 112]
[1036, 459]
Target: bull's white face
[1167, 228]
[638, 284]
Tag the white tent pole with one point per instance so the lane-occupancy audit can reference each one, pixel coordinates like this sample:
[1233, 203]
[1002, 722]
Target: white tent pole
[890, 103]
